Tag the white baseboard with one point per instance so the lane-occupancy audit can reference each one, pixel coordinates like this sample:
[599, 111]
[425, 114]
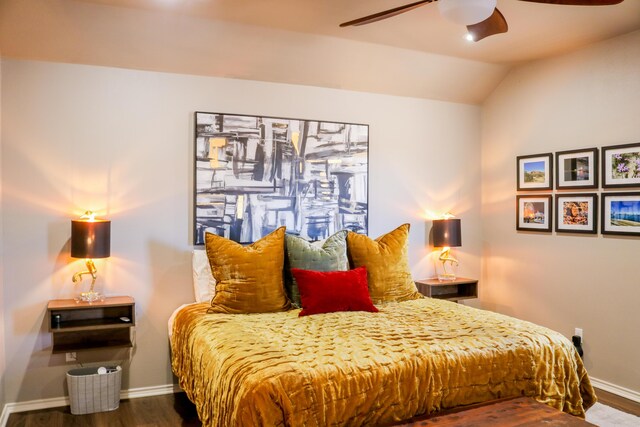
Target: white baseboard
[4, 417]
[158, 390]
[33, 405]
[616, 389]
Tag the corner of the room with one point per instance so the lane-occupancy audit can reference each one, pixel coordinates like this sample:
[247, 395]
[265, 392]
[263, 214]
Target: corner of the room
[2, 299]
[586, 98]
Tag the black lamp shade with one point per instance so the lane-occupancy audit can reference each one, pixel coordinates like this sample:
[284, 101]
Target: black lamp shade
[90, 239]
[447, 233]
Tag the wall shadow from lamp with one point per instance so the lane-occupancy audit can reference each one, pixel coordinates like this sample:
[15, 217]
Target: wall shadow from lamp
[90, 239]
[447, 233]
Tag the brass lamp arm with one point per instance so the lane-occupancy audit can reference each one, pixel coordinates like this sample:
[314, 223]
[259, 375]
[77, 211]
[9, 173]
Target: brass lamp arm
[445, 256]
[91, 269]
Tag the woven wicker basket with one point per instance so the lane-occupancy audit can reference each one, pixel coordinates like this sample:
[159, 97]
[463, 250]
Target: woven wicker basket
[91, 392]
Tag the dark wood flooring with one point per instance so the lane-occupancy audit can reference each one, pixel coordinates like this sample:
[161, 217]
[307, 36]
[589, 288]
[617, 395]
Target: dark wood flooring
[176, 410]
[620, 403]
[170, 410]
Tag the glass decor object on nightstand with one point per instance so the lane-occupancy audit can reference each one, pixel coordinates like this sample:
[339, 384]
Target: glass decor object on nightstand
[447, 234]
[90, 239]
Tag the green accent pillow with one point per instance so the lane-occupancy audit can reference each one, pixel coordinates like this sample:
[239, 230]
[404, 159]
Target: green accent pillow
[330, 255]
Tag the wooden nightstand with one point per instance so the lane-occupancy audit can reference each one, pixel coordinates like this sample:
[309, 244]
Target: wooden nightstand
[451, 290]
[79, 326]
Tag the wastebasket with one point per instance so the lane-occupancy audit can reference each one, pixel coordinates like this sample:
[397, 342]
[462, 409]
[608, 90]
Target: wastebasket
[94, 389]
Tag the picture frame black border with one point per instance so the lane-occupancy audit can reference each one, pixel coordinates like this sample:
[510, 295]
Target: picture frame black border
[550, 172]
[550, 214]
[593, 196]
[594, 169]
[604, 163]
[194, 161]
[602, 216]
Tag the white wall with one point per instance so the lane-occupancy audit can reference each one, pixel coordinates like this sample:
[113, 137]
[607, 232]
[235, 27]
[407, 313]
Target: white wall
[590, 98]
[2, 299]
[119, 142]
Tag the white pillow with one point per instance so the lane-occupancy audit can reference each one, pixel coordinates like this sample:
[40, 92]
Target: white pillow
[204, 285]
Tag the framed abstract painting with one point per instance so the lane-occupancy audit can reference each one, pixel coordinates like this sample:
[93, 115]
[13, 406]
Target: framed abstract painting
[621, 166]
[577, 213]
[534, 213]
[577, 169]
[535, 172]
[253, 174]
[621, 214]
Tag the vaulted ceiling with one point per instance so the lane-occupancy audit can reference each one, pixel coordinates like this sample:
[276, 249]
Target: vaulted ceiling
[417, 54]
[535, 30]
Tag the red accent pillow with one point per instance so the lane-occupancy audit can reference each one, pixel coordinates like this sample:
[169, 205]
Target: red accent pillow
[331, 291]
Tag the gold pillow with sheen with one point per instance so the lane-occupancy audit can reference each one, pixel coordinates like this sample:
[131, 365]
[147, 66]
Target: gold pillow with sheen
[248, 278]
[387, 264]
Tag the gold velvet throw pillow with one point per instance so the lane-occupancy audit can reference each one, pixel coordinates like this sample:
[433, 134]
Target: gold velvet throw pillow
[248, 278]
[387, 264]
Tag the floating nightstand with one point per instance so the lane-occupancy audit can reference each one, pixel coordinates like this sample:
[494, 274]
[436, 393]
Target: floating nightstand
[452, 290]
[83, 325]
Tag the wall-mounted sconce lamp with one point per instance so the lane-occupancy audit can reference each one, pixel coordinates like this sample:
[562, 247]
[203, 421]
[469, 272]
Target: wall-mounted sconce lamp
[447, 233]
[90, 239]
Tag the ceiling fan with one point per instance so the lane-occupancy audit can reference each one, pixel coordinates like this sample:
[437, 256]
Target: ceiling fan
[481, 17]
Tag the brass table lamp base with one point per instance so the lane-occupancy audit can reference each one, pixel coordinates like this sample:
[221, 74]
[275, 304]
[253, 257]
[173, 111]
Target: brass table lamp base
[91, 295]
[445, 256]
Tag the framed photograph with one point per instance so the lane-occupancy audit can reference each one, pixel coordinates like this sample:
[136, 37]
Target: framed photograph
[621, 166]
[577, 169]
[534, 213]
[253, 174]
[621, 214]
[577, 213]
[535, 172]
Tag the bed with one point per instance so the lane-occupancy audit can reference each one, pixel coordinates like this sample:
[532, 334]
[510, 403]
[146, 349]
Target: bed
[358, 368]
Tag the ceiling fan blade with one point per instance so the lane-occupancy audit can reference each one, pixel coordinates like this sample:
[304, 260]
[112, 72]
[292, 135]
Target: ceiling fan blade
[495, 24]
[385, 14]
[578, 2]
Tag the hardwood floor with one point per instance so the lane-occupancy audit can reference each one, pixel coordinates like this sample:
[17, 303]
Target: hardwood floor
[615, 401]
[169, 410]
[176, 410]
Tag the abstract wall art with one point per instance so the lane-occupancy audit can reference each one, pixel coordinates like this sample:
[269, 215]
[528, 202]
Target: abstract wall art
[254, 174]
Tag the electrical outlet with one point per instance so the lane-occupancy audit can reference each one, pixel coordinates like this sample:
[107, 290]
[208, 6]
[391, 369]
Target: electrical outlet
[71, 357]
[578, 332]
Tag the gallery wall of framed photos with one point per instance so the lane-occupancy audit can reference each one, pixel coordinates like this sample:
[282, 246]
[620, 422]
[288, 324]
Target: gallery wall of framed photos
[580, 204]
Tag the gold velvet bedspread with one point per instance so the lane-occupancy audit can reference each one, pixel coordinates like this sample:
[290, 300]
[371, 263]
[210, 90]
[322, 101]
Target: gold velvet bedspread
[359, 368]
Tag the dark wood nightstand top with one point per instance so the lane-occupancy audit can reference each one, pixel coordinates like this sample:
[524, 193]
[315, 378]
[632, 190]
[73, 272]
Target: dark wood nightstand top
[70, 304]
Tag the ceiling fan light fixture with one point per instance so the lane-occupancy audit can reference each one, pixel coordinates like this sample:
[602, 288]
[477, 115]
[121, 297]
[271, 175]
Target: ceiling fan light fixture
[466, 12]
